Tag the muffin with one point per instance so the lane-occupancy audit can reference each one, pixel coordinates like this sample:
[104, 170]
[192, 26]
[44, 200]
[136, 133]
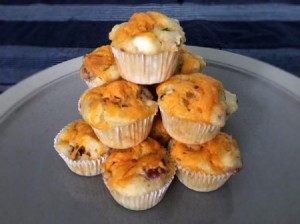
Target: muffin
[80, 148]
[99, 67]
[158, 132]
[189, 62]
[138, 177]
[120, 112]
[146, 47]
[208, 166]
[194, 107]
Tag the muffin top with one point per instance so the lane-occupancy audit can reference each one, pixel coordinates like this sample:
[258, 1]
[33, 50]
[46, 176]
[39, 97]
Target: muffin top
[138, 170]
[197, 98]
[100, 64]
[77, 141]
[215, 157]
[147, 33]
[115, 104]
[189, 62]
[158, 132]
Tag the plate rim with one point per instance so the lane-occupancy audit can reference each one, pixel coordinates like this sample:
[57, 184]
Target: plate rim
[14, 96]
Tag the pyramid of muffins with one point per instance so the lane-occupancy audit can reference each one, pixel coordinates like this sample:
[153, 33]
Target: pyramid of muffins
[148, 114]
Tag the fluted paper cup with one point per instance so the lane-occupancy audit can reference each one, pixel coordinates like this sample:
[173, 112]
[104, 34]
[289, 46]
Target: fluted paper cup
[127, 136]
[146, 69]
[188, 132]
[141, 202]
[201, 182]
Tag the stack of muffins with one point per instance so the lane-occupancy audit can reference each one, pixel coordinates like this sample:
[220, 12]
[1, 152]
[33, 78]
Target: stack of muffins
[148, 114]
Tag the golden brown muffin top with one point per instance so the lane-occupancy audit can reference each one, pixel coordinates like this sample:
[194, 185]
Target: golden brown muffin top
[99, 63]
[189, 63]
[215, 157]
[147, 32]
[158, 132]
[116, 103]
[196, 97]
[145, 162]
[77, 141]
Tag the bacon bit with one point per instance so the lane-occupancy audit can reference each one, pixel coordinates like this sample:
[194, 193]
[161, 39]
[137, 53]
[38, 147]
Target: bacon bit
[74, 153]
[77, 151]
[106, 99]
[81, 150]
[235, 171]
[185, 102]
[117, 99]
[190, 95]
[85, 74]
[154, 173]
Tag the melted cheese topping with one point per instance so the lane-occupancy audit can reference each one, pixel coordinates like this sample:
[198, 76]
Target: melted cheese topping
[78, 141]
[214, 157]
[138, 170]
[100, 64]
[196, 97]
[115, 104]
[189, 63]
[158, 132]
[147, 33]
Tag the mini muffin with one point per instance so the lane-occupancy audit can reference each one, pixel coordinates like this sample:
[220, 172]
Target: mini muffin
[80, 148]
[146, 47]
[158, 131]
[189, 62]
[138, 177]
[120, 112]
[208, 166]
[99, 67]
[194, 107]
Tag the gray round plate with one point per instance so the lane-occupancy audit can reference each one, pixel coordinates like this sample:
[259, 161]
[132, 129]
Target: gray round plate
[37, 187]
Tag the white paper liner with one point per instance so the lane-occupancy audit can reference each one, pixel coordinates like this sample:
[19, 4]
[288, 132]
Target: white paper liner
[82, 167]
[142, 202]
[201, 182]
[94, 83]
[127, 136]
[188, 132]
[146, 69]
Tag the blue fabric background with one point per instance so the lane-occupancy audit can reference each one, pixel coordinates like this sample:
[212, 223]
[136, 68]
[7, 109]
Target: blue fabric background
[36, 34]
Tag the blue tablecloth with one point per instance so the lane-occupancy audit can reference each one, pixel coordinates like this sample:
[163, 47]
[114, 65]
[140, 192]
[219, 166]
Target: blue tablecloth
[36, 34]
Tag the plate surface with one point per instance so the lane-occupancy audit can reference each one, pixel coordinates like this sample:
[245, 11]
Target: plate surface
[36, 184]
